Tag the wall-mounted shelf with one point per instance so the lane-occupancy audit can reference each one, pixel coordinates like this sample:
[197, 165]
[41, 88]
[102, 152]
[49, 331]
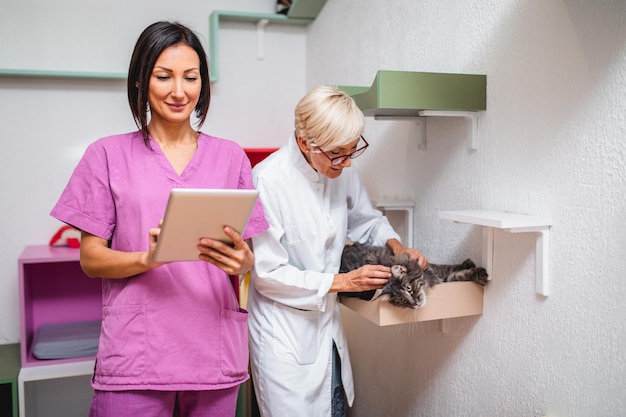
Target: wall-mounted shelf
[9, 369]
[21, 73]
[301, 13]
[512, 223]
[443, 301]
[29, 378]
[403, 94]
[406, 207]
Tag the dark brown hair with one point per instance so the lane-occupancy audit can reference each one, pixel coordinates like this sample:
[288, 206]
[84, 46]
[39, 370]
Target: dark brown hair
[151, 43]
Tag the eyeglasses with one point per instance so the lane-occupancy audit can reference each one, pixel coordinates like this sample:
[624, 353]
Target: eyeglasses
[338, 160]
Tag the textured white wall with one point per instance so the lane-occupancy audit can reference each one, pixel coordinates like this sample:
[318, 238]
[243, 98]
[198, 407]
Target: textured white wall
[46, 124]
[552, 143]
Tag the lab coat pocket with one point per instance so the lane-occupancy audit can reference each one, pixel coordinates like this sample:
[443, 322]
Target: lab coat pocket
[296, 334]
[292, 234]
[234, 343]
[122, 346]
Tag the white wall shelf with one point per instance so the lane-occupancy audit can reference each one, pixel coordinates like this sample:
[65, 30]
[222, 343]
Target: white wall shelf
[49, 372]
[408, 208]
[512, 223]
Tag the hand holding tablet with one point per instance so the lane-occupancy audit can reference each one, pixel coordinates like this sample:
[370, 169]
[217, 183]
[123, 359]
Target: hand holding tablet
[194, 213]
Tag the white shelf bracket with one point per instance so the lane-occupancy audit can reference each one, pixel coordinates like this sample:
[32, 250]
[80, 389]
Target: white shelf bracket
[487, 251]
[542, 257]
[421, 133]
[470, 116]
[260, 30]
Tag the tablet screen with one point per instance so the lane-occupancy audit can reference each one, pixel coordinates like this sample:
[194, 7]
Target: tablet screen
[193, 213]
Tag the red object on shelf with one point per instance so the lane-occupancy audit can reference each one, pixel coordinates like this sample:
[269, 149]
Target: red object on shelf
[256, 155]
[66, 236]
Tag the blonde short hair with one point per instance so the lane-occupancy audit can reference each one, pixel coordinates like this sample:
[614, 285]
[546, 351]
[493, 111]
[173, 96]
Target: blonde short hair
[328, 117]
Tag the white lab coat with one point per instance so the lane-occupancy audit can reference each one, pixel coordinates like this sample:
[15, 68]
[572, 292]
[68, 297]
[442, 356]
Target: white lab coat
[293, 319]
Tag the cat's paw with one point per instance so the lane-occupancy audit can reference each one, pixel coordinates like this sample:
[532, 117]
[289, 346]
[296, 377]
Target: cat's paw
[480, 276]
[468, 264]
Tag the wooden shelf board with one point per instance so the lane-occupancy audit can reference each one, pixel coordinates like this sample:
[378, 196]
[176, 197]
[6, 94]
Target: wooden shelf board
[443, 301]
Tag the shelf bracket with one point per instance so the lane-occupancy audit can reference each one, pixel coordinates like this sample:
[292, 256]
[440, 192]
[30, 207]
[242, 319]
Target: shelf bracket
[470, 116]
[542, 257]
[542, 251]
[260, 30]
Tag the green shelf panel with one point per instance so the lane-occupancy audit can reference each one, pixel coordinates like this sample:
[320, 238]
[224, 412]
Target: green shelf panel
[22, 73]
[308, 9]
[405, 93]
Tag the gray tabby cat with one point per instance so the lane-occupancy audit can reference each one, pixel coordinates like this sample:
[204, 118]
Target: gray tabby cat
[407, 285]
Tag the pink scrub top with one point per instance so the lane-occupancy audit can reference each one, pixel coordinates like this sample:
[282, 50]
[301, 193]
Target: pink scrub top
[178, 326]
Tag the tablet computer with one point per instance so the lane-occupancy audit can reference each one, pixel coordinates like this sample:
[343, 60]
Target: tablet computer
[193, 213]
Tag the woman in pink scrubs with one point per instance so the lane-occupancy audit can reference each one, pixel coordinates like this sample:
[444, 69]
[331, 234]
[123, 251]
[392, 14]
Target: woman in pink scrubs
[174, 339]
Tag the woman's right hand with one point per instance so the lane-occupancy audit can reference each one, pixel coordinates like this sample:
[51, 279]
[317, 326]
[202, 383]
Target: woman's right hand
[367, 277]
[98, 260]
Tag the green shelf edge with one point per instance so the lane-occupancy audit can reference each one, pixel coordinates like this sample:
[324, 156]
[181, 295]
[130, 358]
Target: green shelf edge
[22, 73]
[307, 9]
[405, 93]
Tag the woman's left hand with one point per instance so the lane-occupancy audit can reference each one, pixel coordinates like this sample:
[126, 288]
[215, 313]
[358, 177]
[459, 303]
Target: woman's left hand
[415, 254]
[399, 249]
[234, 260]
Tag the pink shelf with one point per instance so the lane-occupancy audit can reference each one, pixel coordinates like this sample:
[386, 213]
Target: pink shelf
[53, 289]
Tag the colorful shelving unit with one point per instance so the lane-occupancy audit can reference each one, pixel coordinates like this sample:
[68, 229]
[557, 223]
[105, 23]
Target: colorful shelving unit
[53, 289]
[9, 369]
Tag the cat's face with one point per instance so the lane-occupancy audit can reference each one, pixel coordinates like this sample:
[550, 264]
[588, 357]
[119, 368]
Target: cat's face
[406, 287]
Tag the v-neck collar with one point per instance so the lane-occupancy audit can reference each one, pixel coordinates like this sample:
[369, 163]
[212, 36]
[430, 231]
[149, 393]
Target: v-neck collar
[168, 169]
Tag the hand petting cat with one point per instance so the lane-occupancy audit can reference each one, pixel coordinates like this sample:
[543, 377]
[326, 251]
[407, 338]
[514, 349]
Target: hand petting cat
[399, 249]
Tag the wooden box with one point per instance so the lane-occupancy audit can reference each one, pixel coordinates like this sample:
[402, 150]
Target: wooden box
[443, 301]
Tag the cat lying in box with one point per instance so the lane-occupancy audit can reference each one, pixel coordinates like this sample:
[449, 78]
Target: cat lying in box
[408, 283]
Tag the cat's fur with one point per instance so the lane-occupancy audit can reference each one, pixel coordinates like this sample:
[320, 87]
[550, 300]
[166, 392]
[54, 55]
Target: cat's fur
[408, 283]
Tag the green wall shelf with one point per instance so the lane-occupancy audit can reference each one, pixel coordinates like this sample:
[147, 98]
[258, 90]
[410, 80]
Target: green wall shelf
[301, 13]
[405, 93]
[402, 94]
[22, 73]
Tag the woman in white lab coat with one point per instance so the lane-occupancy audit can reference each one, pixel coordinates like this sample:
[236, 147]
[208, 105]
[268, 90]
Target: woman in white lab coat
[313, 203]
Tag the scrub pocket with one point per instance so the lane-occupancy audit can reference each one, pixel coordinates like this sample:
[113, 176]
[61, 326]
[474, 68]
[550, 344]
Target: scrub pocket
[234, 343]
[296, 334]
[122, 346]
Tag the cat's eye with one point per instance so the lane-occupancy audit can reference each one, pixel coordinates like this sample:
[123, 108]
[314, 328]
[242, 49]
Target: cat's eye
[409, 288]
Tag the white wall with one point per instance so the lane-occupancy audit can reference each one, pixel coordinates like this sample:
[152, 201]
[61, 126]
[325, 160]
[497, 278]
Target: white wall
[45, 124]
[552, 143]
